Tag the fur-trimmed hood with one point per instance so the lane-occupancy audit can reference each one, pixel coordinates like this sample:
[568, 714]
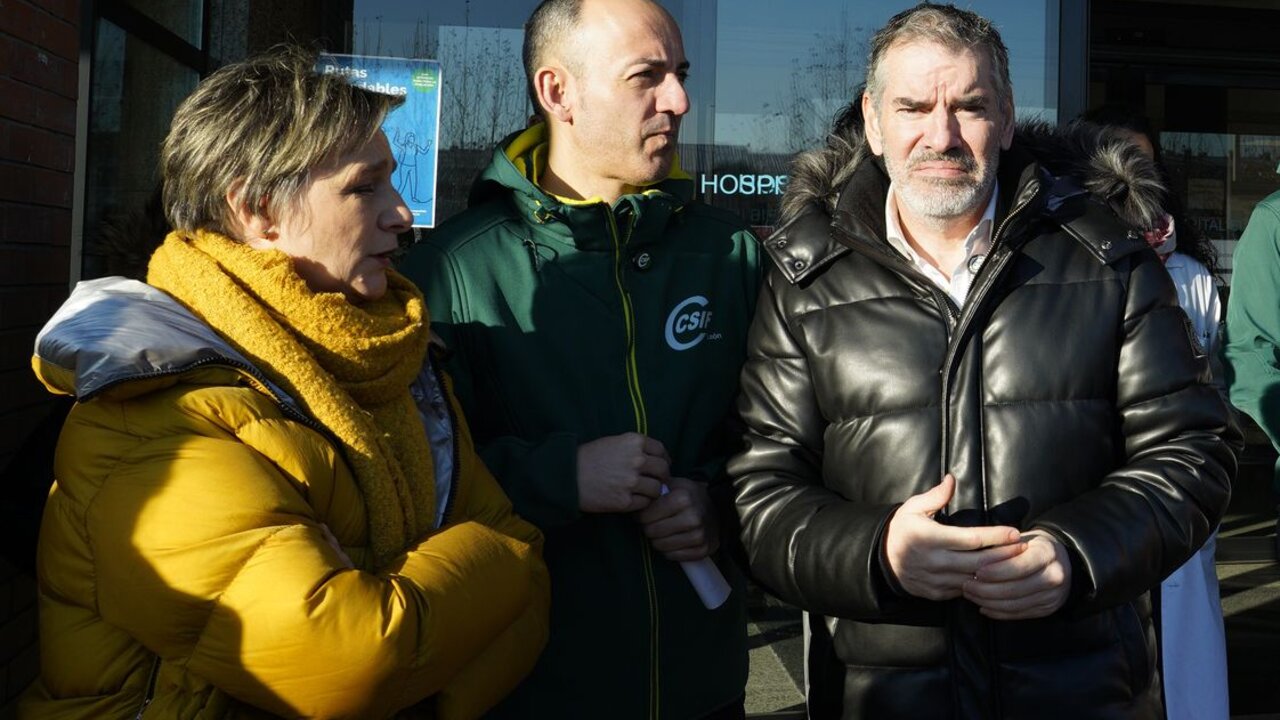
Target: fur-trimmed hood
[1105, 163]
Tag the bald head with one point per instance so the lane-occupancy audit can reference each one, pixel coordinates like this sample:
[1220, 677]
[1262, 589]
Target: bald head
[551, 24]
[551, 34]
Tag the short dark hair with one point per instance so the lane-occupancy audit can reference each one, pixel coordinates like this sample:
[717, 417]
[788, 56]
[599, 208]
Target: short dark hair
[948, 26]
[1125, 117]
[551, 22]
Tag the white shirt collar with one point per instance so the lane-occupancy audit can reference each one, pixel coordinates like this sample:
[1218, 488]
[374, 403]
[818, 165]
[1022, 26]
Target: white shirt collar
[976, 245]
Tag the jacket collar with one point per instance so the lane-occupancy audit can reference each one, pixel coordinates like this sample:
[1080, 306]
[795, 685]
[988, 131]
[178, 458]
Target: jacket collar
[587, 225]
[114, 330]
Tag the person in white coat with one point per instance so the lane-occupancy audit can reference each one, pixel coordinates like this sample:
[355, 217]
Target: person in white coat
[1193, 644]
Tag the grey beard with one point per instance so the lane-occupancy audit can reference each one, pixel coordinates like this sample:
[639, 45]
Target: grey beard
[944, 200]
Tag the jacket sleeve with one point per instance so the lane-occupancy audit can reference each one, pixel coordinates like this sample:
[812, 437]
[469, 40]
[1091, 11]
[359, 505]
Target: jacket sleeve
[207, 554]
[496, 670]
[539, 474]
[727, 438]
[806, 543]
[1144, 519]
[1251, 350]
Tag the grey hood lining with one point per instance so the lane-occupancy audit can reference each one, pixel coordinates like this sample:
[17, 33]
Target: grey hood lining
[113, 330]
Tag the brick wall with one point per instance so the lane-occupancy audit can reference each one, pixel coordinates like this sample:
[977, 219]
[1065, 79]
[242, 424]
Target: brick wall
[39, 50]
[19, 659]
[39, 59]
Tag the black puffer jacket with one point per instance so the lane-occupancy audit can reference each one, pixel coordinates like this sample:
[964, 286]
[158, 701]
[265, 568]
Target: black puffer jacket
[1067, 394]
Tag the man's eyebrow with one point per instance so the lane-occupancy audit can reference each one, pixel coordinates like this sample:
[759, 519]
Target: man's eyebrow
[659, 63]
[968, 99]
[911, 103]
[973, 98]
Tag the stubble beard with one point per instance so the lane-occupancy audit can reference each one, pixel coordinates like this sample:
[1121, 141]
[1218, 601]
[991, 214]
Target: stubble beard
[663, 156]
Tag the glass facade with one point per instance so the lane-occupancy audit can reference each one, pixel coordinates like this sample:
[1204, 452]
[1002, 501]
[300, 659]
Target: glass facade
[184, 18]
[1222, 176]
[126, 126]
[1209, 80]
[147, 57]
[766, 80]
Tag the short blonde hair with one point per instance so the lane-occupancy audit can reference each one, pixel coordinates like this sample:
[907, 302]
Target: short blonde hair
[264, 123]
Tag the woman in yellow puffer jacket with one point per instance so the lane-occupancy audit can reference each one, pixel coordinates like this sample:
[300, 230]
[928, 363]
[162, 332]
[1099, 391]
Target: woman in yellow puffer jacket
[267, 502]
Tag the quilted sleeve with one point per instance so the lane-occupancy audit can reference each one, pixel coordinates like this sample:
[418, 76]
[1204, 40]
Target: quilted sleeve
[1148, 516]
[210, 557]
[806, 543]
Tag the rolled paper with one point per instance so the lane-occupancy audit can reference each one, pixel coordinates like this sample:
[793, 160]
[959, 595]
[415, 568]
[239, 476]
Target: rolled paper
[707, 581]
[706, 578]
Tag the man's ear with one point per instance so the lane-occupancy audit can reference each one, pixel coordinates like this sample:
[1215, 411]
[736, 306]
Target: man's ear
[553, 85]
[871, 125]
[255, 228]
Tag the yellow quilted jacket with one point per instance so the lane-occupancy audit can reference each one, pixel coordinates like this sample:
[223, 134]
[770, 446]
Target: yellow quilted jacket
[202, 554]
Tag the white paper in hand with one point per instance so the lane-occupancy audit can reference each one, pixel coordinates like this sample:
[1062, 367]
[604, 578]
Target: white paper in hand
[706, 578]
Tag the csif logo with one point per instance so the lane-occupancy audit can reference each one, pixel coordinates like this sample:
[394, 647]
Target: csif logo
[688, 322]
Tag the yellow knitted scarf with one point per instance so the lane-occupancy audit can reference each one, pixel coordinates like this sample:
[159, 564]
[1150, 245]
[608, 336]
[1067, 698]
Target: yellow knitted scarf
[348, 366]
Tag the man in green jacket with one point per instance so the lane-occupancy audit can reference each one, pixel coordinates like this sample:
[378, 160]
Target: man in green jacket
[1251, 352]
[598, 317]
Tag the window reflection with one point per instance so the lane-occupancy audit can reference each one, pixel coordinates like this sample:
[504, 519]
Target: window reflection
[127, 127]
[483, 96]
[1222, 176]
[767, 80]
[183, 18]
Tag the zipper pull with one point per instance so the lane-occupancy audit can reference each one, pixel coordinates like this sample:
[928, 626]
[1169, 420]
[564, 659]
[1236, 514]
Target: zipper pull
[533, 253]
[151, 688]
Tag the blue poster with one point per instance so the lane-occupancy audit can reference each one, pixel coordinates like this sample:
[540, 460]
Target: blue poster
[413, 129]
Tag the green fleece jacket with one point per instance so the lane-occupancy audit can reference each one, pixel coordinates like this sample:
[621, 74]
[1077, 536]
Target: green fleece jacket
[1251, 352]
[571, 321]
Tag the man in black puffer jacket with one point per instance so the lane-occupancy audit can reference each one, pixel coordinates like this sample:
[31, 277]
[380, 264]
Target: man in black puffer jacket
[979, 426]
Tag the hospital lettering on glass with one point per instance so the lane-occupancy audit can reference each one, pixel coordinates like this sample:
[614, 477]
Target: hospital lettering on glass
[742, 184]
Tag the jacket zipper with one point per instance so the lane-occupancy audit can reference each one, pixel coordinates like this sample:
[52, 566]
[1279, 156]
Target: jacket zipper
[628, 313]
[249, 370]
[642, 427]
[976, 295]
[956, 323]
[151, 688]
[975, 298]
